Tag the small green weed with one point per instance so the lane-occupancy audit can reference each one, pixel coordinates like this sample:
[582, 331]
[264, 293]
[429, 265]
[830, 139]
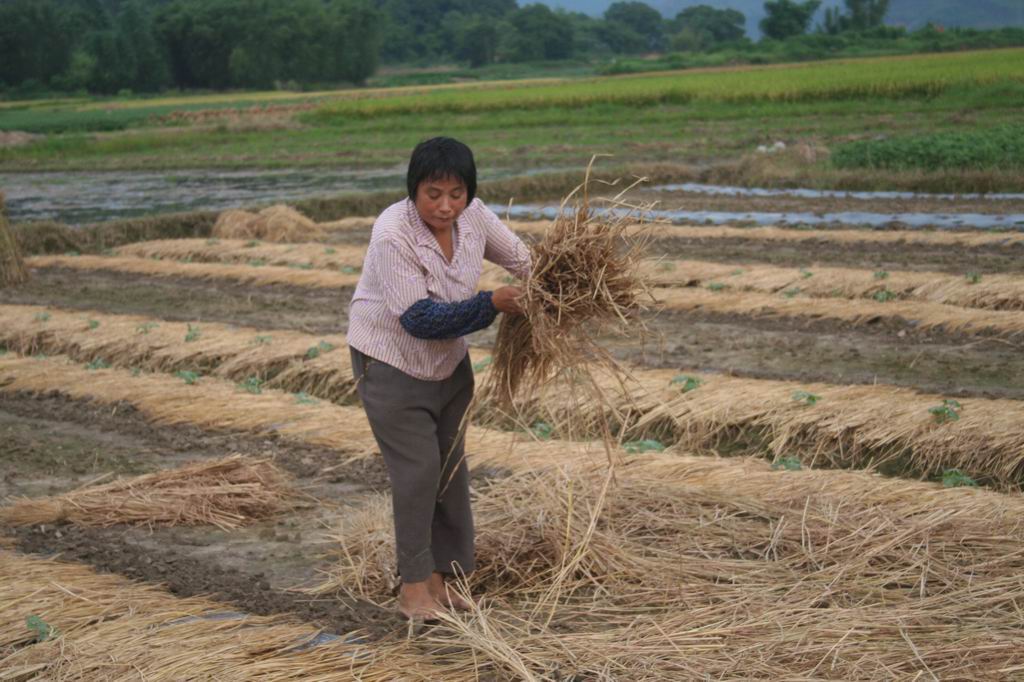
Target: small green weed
[348, 270]
[93, 324]
[43, 630]
[303, 398]
[146, 327]
[884, 296]
[954, 478]
[315, 351]
[301, 266]
[791, 292]
[98, 363]
[257, 262]
[483, 364]
[787, 464]
[685, 382]
[717, 286]
[806, 398]
[330, 251]
[736, 273]
[881, 274]
[42, 317]
[262, 340]
[252, 243]
[973, 277]
[193, 334]
[805, 273]
[252, 385]
[188, 376]
[542, 430]
[948, 411]
[638, 446]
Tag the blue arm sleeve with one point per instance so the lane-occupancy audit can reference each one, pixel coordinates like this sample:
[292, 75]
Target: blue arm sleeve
[427, 319]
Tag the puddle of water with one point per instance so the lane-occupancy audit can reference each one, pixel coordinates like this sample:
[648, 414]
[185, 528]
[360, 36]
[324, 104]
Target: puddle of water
[726, 190]
[80, 198]
[946, 221]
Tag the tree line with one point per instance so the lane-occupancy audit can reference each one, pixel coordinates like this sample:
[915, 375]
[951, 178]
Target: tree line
[112, 46]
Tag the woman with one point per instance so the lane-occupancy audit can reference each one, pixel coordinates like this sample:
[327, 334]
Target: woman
[414, 303]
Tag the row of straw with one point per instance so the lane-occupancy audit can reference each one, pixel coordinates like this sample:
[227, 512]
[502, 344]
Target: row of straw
[226, 493]
[215, 404]
[944, 238]
[146, 343]
[849, 426]
[995, 292]
[243, 274]
[716, 293]
[969, 290]
[305, 254]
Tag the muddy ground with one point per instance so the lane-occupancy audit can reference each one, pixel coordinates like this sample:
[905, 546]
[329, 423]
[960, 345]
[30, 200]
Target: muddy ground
[51, 444]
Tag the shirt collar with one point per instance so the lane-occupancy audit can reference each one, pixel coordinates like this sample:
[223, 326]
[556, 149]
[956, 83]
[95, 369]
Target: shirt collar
[424, 235]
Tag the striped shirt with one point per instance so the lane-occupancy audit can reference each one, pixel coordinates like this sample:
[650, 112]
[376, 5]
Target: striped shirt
[404, 264]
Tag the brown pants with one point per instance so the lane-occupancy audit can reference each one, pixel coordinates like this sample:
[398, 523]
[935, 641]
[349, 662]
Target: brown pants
[416, 424]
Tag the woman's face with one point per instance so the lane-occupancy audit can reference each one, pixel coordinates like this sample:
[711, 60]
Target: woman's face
[440, 202]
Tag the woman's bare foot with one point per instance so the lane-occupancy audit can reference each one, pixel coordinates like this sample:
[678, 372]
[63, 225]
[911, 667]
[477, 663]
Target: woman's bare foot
[416, 601]
[446, 596]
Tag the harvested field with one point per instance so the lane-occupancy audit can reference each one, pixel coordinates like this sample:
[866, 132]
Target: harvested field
[897, 430]
[83, 616]
[814, 463]
[609, 580]
[975, 290]
[215, 404]
[798, 302]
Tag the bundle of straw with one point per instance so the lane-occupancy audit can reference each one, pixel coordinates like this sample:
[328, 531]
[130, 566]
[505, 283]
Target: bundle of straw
[278, 223]
[12, 266]
[226, 493]
[585, 282]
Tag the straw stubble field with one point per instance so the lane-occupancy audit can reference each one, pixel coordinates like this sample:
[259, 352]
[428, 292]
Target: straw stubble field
[853, 513]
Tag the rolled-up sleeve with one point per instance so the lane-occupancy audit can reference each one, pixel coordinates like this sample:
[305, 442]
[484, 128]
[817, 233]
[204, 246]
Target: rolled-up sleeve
[504, 248]
[401, 277]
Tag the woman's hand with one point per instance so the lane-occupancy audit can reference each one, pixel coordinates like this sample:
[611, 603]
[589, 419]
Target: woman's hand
[506, 300]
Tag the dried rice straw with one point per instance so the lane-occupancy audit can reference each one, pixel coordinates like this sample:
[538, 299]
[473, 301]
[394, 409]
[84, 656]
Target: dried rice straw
[227, 493]
[585, 282]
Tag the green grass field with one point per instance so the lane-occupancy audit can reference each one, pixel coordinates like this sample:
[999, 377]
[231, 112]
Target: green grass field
[688, 117]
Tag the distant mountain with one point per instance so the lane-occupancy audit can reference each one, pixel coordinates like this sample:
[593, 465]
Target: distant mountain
[910, 13]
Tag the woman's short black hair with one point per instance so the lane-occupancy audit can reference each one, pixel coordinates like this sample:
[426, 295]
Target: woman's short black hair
[438, 158]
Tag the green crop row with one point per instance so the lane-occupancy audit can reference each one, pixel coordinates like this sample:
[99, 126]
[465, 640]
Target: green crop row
[999, 147]
[888, 77]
